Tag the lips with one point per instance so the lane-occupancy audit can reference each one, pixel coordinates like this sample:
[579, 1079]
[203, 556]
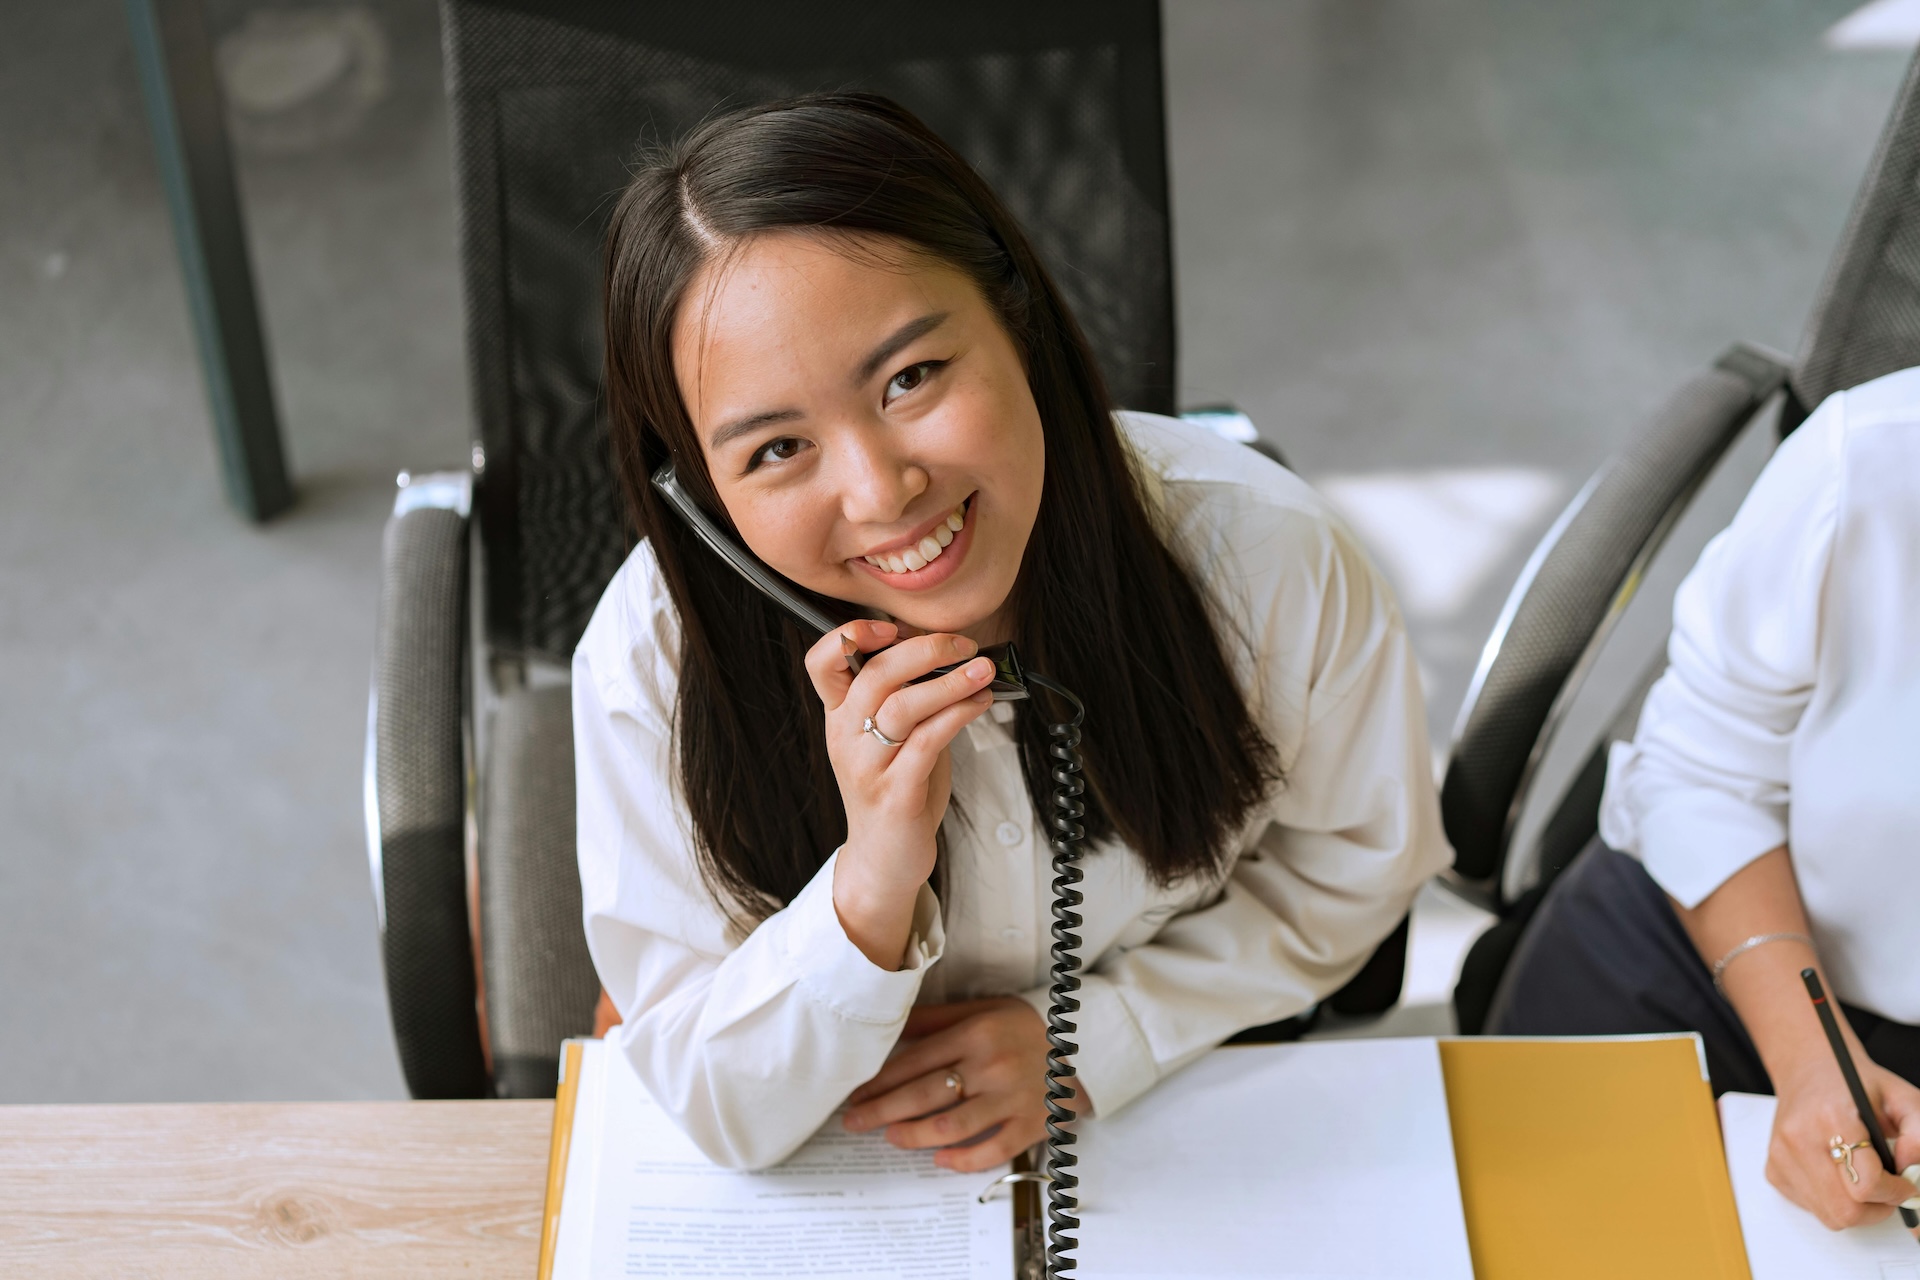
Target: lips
[928, 561]
[919, 555]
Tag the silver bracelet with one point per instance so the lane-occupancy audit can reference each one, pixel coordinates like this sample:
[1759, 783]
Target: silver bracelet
[1757, 940]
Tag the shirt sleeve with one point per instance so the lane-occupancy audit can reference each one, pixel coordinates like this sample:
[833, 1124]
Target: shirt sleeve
[749, 1039]
[1351, 835]
[1701, 790]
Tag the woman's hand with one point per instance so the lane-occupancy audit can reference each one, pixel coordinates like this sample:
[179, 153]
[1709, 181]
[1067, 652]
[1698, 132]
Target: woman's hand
[997, 1049]
[1815, 1107]
[1756, 921]
[894, 796]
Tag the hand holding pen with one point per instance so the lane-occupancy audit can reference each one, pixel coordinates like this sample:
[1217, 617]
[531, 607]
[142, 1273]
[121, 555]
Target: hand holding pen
[1863, 1185]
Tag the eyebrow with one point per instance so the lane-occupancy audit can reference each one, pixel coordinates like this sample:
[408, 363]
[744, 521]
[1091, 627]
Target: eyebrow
[744, 426]
[909, 332]
[906, 334]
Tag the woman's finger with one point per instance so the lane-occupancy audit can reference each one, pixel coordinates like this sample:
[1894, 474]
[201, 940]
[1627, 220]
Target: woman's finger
[908, 660]
[1889, 1189]
[1899, 1101]
[912, 1059]
[1014, 1137]
[922, 1095]
[1805, 1172]
[827, 659]
[955, 1124]
[910, 704]
[1895, 1100]
[916, 756]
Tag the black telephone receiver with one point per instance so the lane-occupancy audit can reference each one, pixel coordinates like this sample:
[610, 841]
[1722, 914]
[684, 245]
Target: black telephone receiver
[1010, 684]
[1009, 680]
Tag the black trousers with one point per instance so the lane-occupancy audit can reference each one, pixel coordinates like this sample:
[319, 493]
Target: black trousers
[1606, 955]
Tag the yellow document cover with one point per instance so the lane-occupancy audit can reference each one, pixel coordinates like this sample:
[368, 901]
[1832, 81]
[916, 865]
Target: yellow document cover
[1591, 1158]
[557, 1155]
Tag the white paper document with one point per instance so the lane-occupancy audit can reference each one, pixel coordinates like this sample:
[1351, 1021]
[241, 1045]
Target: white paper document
[644, 1202]
[1784, 1241]
[1328, 1160]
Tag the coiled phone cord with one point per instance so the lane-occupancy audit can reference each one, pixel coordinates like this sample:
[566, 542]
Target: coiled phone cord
[1063, 1203]
[1068, 831]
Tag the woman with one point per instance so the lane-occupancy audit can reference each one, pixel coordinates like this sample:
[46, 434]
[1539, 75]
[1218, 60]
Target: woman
[803, 885]
[1772, 796]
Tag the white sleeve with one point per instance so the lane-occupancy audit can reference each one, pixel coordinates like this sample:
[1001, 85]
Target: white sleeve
[749, 1042]
[1701, 790]
[1353, 833]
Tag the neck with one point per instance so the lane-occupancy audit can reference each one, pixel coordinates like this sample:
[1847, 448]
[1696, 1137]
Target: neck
[996, 628]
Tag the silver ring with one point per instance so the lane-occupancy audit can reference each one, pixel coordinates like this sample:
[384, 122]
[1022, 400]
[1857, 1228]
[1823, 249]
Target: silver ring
[955, 1082]
[870, 727]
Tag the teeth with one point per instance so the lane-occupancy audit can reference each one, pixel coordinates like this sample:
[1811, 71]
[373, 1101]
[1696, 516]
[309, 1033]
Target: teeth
[926, 551]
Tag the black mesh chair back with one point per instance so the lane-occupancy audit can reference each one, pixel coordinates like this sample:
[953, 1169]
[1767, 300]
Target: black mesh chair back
[1866, 320]
[1057, 103]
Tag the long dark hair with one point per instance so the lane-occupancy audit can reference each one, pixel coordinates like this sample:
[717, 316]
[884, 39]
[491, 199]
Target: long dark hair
[1173, 758]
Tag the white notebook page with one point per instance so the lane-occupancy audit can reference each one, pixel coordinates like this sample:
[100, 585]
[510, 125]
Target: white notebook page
[1330, 1159]
[1784, 1241]
[844, 1205]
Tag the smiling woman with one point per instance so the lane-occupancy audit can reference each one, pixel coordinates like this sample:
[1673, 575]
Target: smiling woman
[808, 885]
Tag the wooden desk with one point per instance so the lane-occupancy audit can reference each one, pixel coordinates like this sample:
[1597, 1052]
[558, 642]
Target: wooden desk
[334, 1189]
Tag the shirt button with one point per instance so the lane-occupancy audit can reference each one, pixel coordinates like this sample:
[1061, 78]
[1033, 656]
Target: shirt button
[1008, 834]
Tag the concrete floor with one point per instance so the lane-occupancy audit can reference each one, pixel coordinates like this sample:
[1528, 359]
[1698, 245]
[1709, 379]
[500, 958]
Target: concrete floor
[1446, 252]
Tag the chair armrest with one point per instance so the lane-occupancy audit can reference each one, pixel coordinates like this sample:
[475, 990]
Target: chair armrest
[416, 793]
[1578, 582]
[540, 982]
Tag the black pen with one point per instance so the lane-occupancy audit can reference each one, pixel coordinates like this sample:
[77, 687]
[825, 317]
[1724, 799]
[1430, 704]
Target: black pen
[1858, 1090]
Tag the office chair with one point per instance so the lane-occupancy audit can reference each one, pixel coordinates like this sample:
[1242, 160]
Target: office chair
[491, 572]
[1585, 571]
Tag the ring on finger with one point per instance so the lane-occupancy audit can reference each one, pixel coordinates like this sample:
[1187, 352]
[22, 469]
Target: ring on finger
[958, 1083]
[868, 726]
[1842, 1150]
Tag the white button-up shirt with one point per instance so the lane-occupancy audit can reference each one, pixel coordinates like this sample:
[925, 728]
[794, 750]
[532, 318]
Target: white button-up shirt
[1790, 711]
[751, 1041]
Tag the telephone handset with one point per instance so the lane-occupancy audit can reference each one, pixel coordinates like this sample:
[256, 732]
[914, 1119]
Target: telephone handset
[1009, 681]
[1011, 684]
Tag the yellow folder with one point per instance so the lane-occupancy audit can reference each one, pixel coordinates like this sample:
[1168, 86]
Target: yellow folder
[1591, 1158]
[557, 1155]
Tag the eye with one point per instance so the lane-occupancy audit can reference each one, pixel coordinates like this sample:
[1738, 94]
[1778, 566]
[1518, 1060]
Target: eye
[909, 378]
[785, 449]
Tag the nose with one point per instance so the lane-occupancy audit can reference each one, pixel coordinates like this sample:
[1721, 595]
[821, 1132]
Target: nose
[877, 482]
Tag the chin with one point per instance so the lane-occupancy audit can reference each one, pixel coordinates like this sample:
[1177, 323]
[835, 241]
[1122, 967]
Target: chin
[934, 623]
[954, 617]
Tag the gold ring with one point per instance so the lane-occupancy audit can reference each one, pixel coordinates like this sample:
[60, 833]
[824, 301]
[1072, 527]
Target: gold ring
[957, 1084]
[1842, 1150]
